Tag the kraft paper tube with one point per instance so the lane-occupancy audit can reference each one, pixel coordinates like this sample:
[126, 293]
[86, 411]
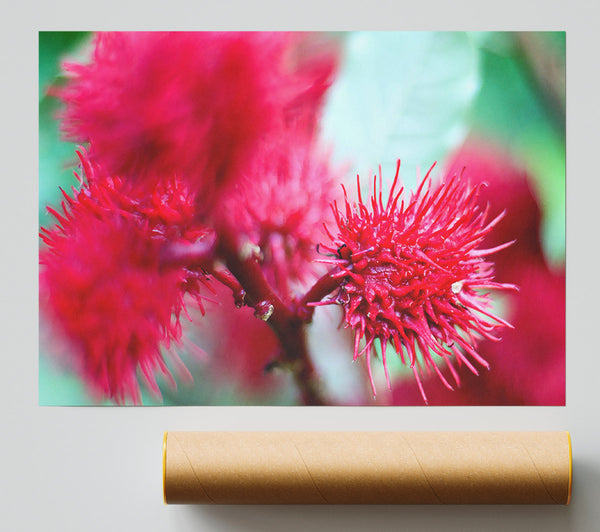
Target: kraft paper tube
[367, 467]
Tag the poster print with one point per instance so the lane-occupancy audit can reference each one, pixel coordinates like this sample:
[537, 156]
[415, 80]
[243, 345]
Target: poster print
[356, 218]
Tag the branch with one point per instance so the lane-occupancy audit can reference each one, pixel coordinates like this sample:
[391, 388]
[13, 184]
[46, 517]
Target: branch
[324, 286]
[285, 323]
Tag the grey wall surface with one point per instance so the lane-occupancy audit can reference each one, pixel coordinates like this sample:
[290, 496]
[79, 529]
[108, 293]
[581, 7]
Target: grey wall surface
[98, 469]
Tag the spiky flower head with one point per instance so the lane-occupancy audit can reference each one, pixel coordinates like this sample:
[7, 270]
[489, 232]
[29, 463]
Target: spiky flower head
[106, 290]
[412, 271]
[281, 205]
[195, 104]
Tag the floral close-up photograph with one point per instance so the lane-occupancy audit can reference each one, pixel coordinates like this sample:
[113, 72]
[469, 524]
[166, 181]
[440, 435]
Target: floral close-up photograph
[302, 218]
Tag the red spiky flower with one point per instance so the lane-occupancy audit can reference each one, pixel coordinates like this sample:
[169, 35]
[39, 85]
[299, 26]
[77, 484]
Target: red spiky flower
[412, 273]
[106, 288]
[193, 104]
[281, 207]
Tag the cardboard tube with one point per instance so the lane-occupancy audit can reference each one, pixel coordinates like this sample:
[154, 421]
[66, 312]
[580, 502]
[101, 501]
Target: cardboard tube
[367, 467]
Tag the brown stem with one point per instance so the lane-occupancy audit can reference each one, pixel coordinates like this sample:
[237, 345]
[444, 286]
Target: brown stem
[246, 280]
[225, 277]
[325, 285]
[285, 323]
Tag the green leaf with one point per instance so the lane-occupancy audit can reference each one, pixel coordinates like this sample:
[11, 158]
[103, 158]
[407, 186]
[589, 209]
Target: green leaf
[401, 95]
[511, 110]
[57, 159]
[545, 156]
[53, 45]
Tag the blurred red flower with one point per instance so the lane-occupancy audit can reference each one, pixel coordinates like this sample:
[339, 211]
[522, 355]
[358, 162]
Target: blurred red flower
[281, 207]
[528, 365]
[106, 290]
[195, 104]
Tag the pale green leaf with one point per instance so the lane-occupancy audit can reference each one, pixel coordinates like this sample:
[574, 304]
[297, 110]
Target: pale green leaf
[400, 95]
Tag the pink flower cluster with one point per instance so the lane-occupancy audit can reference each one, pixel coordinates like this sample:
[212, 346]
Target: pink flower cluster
[203, 174]
[104, 284]
[149, 100]
[178, 127]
